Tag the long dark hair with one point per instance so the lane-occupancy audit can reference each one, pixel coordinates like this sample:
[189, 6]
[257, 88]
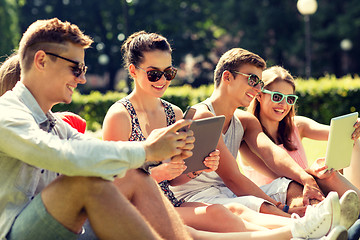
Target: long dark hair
[286, 126]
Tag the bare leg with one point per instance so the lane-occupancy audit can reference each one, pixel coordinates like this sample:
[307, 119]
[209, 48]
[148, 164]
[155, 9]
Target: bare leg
[337, 183]
[70, 200]
[352, 172]
[269, 221]
[276, 234]
[294, 197]
[271, 209]
[145, 194]
[214, 218]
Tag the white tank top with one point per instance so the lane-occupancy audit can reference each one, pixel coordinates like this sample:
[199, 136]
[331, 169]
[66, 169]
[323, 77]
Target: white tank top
[232, 138]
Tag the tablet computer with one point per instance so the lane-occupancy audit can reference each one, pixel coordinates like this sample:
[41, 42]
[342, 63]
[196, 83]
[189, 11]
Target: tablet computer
[207, 133]
[340, 145]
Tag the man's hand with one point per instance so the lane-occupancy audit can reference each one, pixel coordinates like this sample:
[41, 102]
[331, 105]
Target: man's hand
[311, 191]
[212, 161]
[164, 143]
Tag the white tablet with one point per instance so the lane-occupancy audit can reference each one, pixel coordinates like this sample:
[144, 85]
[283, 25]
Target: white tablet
[340, 145]
[207, 133]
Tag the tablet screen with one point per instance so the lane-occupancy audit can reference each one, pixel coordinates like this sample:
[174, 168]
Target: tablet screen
[340, 144]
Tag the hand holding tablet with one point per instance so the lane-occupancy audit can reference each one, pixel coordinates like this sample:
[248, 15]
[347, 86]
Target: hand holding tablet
[207, 133]
[340, 144]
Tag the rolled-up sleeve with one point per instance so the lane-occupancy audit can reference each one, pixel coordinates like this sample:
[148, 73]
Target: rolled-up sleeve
[85, 156]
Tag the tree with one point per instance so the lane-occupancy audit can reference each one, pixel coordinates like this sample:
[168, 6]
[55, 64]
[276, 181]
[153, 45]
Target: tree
[9, 27]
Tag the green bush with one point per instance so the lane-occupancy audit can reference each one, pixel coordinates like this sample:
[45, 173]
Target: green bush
[320, 99]
[328, 97]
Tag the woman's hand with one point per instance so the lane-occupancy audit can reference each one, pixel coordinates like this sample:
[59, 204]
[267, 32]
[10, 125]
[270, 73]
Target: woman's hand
[319, 170]
[169, 170]
[212, 161]
[356, 133]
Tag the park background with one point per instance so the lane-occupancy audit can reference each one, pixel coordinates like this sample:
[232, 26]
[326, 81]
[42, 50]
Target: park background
[200, 32]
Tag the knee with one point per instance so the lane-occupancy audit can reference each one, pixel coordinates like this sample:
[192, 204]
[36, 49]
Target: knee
[134, 178]
[236, 208]
[84, 185]
[217, 211]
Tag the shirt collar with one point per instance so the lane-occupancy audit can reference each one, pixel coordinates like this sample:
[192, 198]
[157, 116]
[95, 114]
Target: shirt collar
[45, 121]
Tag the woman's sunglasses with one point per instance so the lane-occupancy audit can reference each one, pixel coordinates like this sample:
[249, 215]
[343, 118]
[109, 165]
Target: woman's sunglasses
[77, 70]
[155, 75]
[277, 97]
[253, 80]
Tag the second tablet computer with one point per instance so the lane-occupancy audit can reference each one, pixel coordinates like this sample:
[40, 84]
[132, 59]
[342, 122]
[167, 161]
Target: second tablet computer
[340, 145]
[207, 133]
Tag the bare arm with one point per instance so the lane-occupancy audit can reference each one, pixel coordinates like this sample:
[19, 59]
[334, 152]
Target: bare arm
[277, 159]
[228, 168]
[161, 144]
[117, 124]
[249, 158]
[311, 129]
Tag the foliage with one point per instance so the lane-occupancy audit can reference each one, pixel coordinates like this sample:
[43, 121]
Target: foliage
[319, 99]
[328, 97]
[9, 27]
[200, 31]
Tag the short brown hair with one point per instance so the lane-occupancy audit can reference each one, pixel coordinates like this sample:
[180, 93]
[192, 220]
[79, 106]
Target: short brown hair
[49, 35]
[9, 73]
[234, 59]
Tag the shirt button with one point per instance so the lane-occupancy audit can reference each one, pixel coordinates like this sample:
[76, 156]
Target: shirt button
[42, 170]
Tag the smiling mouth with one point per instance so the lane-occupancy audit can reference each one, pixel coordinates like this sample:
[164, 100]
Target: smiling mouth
[159, 87]
[279, 110]
[71, 88]
[250, 95]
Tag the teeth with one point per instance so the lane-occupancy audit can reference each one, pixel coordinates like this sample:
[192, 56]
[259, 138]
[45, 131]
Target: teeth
[277, 110]
[72, 88]
[159, 87]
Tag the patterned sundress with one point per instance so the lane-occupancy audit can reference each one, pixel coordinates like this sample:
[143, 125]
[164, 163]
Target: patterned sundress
[137, 135]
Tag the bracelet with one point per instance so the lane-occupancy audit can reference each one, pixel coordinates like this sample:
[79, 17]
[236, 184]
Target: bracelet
[194, 175]
[286, 208]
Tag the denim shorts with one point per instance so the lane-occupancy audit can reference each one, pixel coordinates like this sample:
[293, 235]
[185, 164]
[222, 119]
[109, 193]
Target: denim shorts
[34, 222]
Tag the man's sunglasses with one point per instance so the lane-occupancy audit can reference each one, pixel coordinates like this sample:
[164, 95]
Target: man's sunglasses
[155, 75]
[253, 80]
[77, 70]
[277, 97]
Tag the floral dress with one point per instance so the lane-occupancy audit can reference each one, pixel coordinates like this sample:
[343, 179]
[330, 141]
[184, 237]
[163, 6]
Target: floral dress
[137, 135]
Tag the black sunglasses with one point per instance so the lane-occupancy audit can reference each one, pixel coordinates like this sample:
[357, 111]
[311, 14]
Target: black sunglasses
[77, 70]
[155, 75]
[253, 80]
